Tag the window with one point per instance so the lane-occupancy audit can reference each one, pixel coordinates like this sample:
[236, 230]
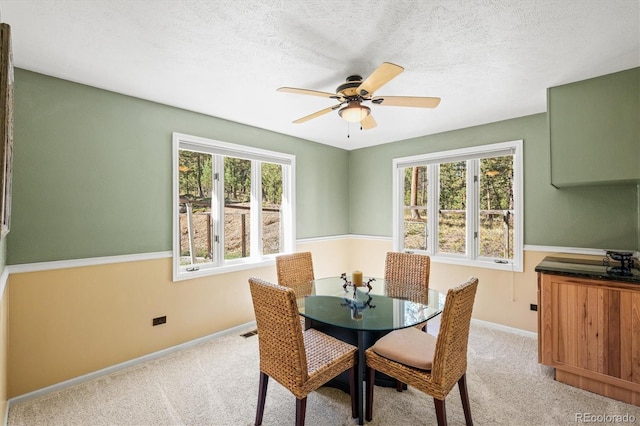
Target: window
[461, 206]
[233, 206]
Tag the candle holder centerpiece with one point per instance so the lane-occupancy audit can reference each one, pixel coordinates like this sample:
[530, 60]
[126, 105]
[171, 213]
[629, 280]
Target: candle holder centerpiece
[355, 286]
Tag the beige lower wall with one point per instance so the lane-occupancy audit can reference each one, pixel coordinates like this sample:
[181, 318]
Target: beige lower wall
[4, 303]
[65, 323]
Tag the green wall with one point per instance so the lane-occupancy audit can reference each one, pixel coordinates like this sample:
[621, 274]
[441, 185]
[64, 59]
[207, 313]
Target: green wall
[92, 172]
[584, 217]
[92, 177]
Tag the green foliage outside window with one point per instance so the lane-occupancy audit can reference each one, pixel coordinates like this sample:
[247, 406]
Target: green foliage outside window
[195, 175]
[271, 183]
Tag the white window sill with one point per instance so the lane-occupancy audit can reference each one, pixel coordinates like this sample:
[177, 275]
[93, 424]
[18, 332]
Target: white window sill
[487, 264]
[231, 266]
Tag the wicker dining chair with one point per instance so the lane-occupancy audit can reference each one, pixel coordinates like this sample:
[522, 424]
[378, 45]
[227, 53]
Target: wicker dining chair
[407, 275]
[294, 268]
[407, 268]
[299, 361]
[431, 364]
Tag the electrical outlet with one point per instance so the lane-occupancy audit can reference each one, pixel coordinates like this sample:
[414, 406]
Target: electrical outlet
[160, 320]
[533, 307]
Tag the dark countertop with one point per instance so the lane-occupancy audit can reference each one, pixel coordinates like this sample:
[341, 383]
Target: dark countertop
[594, 269]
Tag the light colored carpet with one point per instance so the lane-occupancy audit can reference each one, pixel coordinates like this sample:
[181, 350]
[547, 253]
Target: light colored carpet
[216, 383]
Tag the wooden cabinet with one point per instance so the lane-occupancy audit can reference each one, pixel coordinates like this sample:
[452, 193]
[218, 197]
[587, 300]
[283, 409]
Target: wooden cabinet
[589, 331]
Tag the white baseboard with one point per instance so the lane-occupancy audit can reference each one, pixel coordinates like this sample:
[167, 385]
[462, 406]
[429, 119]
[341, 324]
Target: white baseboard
[123, 365]
[504, 328]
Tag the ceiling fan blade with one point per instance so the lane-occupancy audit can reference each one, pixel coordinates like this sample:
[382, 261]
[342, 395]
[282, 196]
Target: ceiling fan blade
[381, 76]
[307, 92]
[368, 122]
[316, 114]
[406, 101]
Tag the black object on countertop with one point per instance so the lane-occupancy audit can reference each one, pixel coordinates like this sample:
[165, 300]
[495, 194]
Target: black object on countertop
[626, 262]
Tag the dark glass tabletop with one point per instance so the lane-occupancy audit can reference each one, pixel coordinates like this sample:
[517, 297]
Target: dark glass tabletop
[384, 307]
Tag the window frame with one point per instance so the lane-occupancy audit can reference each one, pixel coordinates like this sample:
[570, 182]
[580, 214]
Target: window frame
[287, 208]
[472, 257]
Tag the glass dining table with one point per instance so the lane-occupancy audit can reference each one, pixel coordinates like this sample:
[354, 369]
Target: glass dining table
[360, 315]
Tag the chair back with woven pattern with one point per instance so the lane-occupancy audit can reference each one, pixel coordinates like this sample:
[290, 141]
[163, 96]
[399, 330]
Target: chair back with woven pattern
[294, 268]
[407, 276]
[281, 345]
[450, 358]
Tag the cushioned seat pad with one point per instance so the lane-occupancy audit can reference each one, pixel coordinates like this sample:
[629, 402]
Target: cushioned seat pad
[408, 346]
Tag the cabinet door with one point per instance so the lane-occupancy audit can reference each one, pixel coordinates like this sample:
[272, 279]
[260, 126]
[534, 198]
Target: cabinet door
[594, 131]
[589, 327]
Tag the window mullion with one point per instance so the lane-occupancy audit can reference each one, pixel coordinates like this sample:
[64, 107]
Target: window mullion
[256, 209]
[217, 210]
[398, 208]
[286, 221]
[433, 201]
[473, 208]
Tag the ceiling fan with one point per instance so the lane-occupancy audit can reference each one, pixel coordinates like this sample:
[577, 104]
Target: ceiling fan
[354, 92]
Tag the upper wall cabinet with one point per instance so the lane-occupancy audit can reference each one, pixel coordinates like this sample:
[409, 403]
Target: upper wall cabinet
[594, 128]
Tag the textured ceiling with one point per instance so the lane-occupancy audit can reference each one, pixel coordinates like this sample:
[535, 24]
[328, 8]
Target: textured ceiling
[487, 60]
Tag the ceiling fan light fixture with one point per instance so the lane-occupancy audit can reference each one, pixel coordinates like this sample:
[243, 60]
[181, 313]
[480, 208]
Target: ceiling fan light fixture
[354, 112]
